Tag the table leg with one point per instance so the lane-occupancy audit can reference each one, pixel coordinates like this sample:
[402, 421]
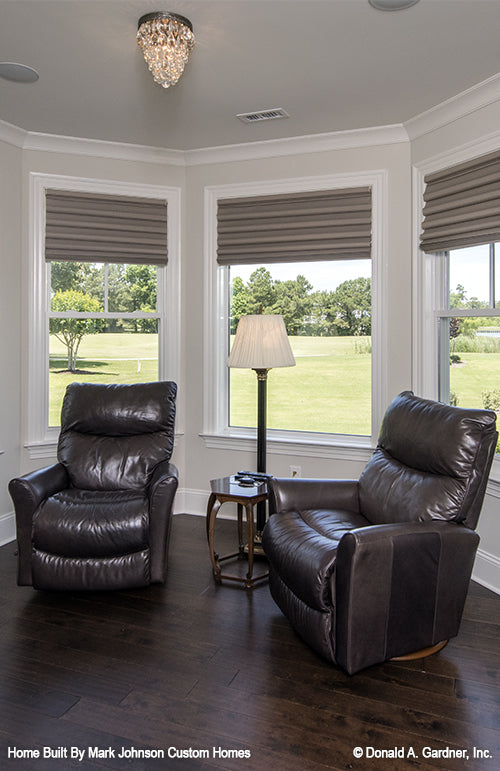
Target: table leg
[250, 535]
[210, 503]
[212, 509]
[241, 544]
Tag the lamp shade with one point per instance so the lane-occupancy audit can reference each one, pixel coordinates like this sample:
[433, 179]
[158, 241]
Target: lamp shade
[261, 342]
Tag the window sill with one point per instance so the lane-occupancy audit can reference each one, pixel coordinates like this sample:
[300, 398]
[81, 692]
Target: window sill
[41, 450]
[334, 446]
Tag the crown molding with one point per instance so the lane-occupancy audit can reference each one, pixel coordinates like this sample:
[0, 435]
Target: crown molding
[54, 143]
[11, 134]
[338, 140]
[467, 102]
[312, 143]
[489, 143]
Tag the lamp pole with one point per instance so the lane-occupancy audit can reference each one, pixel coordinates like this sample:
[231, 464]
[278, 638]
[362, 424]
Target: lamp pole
[261, 438]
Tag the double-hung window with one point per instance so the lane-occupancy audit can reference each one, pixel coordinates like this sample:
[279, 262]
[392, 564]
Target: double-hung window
[101, 297]
[461, 235]
[311, 256]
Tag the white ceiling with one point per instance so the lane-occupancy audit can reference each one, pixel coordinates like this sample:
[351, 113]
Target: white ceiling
[331, 64]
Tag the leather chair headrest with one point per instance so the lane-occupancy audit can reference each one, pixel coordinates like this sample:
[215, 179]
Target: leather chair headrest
[434, 437]
[119, 410]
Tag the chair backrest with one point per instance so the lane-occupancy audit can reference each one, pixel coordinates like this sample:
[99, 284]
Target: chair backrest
[431, 462]
[113, 436]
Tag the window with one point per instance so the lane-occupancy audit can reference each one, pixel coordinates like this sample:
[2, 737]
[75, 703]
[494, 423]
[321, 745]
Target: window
[103, 326]
[469, 327]
[334, 396]
[326, 307]
[105, 307]
[460, 278]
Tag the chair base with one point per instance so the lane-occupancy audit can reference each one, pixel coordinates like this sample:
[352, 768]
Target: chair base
[422, 653]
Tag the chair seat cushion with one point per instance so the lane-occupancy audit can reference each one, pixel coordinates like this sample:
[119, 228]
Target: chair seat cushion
[88, 523]
[302, 546]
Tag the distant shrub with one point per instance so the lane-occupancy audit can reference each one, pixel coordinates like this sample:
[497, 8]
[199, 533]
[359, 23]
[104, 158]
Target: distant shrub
[362, 346]
[491, 400]
[475, 344]
[455, 358]
[453, 399]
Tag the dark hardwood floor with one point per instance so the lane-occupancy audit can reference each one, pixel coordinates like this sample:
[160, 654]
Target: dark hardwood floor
[196, 669]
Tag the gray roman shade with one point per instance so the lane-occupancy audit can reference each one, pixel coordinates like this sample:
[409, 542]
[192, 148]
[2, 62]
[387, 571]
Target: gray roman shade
[86, 227]
[296, 227]
[462, 205]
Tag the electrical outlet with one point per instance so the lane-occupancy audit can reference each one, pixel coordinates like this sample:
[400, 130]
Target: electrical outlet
[295, 471]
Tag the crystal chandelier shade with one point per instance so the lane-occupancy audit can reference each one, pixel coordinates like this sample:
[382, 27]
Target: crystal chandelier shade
[166, 40]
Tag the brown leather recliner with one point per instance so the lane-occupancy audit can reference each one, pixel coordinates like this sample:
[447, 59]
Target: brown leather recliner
[100, 518]
[377, 568]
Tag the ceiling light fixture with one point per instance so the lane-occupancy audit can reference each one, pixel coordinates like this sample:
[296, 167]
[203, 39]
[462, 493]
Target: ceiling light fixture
[392, 5]
[166, 40]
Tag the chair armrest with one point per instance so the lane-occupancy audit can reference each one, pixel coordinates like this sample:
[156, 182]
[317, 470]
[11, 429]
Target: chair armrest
[161, 492]
[27, 493]
[163, 472]
[400, 588]
[30, 490]
[286, 494]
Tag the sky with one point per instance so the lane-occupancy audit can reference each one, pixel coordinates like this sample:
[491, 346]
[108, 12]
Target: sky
[469, 267]
[322, 275]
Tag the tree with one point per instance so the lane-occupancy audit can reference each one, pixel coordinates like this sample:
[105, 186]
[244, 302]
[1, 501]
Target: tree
[140, 294]
[261, 292]
[141, 282]
[319, 322]
[293, 303]
[465, 326]
[455, 327]
[350, 311]
[239, 302]
[71, 330]
[66, 275]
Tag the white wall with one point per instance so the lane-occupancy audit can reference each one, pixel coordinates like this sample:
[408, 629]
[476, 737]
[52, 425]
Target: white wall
[11, 341]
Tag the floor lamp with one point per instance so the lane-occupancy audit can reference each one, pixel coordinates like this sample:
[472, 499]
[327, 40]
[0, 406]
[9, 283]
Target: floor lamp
[261, 344]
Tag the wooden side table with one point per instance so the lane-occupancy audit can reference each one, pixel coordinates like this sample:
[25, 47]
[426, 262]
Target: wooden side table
[227, 490]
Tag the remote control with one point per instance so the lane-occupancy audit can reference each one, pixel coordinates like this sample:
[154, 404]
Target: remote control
[255, 475]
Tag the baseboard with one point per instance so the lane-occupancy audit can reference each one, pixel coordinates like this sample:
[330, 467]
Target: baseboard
[195, 502]
[487, 570]
[190, 501]
[7, 528]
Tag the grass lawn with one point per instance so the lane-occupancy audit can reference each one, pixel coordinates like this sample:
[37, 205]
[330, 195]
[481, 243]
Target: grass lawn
[476, 373]
[327, 391]
[102, 358]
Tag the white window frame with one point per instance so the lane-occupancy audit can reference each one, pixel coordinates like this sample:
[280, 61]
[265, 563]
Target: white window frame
[42, 439]
[216, 432]
[430, 283]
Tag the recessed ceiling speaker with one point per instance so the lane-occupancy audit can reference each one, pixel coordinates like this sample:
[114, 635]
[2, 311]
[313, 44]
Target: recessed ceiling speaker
[392, 5]
[18, 73]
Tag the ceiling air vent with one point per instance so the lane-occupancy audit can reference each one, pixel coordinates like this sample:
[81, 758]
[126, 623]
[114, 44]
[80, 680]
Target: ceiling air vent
[255, 117]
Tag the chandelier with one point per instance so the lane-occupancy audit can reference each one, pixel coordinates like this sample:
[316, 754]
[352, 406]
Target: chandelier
[166, 40]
